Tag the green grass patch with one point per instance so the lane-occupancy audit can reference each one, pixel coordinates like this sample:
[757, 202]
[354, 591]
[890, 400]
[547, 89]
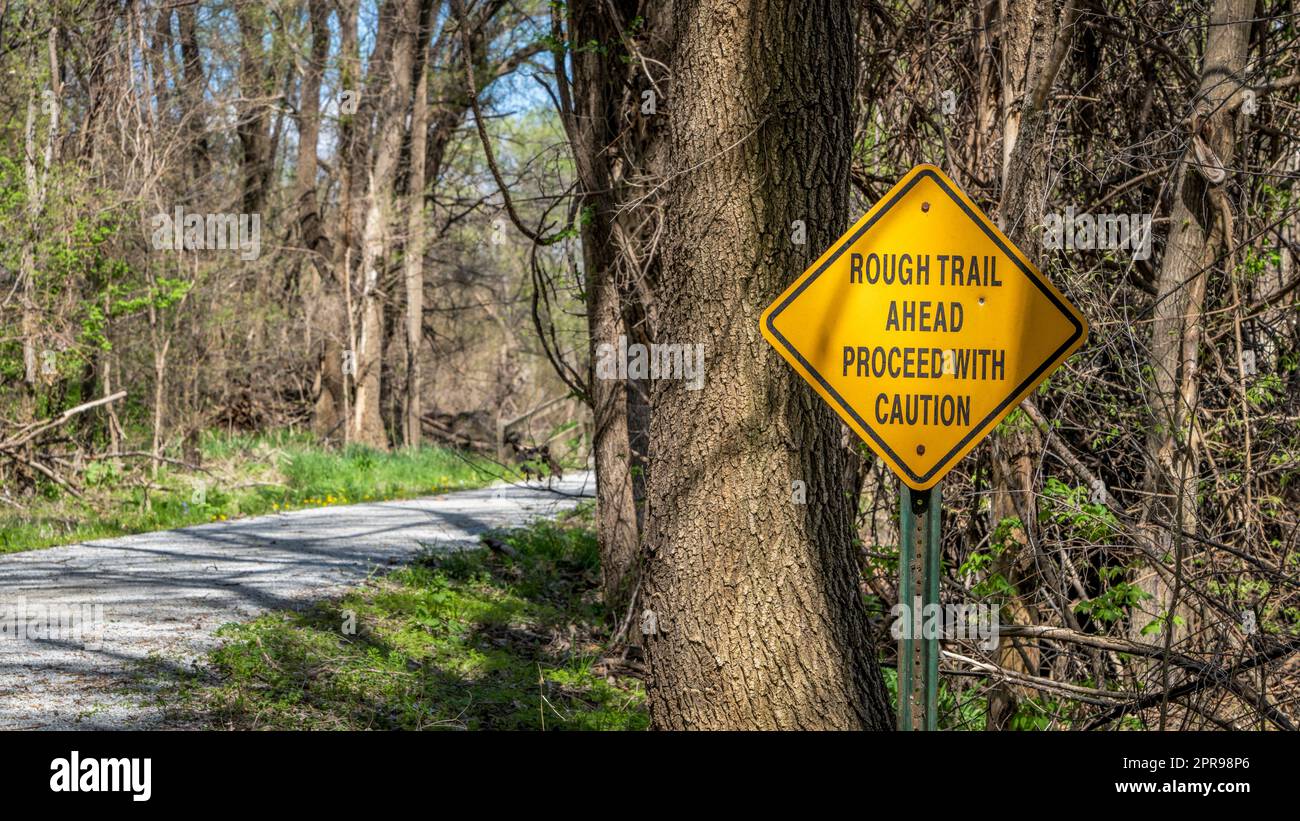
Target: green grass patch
[243, 475]
[464, 640]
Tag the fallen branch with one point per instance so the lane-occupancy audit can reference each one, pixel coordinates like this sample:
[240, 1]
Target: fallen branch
[1210, 677]
[10, 448]
[144, 454]
[501, 548]
[1090, 695]
[1202, 674]
[35, 429]
[453, 437]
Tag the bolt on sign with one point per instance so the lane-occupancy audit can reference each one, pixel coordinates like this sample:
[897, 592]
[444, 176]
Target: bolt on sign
[923, 326]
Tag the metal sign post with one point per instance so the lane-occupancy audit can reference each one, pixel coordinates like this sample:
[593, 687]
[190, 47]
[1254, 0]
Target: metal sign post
[918, 587]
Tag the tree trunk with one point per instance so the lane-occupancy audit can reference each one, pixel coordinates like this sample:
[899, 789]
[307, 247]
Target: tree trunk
[595, 123]
[753, 614]
[616, 519]
[413, 257]
[413, 261]
[1026, 46]
[196, 87]
[254, 122]
[1198, 233]
[35, 178]
[390, 71]
[320, 289]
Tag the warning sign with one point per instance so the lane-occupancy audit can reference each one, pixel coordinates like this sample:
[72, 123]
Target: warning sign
[923, 326]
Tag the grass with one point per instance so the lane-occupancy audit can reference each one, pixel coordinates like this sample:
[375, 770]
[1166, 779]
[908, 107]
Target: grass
[244, 475]
[460, 640]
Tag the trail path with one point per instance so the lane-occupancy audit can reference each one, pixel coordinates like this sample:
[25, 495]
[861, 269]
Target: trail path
[161, 596]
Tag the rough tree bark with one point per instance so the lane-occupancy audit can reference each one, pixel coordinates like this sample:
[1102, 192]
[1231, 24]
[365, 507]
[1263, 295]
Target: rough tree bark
[594, 117]
[753, 613]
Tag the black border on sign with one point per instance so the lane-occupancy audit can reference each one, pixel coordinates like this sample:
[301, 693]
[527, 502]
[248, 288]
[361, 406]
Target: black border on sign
[978, 429]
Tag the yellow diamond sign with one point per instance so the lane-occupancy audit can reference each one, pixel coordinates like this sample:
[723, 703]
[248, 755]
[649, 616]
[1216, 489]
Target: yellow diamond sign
[923, 326]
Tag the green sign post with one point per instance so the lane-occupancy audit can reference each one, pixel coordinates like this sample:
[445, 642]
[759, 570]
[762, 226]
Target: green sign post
[918, 586]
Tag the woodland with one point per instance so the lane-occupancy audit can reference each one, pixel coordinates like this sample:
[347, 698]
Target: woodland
[386, 225]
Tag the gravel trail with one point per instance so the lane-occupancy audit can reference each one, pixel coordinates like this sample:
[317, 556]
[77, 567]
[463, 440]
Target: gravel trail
[159, 597]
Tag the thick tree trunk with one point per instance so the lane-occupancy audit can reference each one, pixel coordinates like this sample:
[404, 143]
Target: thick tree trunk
[753, 613]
